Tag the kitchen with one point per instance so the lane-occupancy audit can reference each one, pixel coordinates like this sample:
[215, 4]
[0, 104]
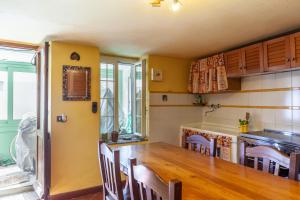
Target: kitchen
[204, 104]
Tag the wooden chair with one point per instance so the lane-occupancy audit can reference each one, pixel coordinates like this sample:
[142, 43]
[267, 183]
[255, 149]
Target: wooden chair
[200, 144]
[147, 185]
[110, 171]
[270, 160]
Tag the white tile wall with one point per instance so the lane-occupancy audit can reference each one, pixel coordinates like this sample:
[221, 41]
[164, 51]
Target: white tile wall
[288, 120]
[165, 122]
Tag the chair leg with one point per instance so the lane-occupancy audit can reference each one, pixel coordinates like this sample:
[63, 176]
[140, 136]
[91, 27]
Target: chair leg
[126, 190]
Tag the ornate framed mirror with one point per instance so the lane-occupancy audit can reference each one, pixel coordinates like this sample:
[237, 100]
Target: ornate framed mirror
[76, 83]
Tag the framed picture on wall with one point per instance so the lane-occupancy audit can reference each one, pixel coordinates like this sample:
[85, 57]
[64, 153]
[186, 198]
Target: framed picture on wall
[76, 83]
[156, 74]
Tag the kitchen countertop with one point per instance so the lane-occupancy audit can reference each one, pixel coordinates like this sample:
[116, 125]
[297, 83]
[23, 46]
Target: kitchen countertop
[213, 129]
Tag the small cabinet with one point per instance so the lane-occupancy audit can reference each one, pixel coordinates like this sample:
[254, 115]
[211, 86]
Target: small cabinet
[277, 54]
[295, 49]
[233, 63]
[252, 59]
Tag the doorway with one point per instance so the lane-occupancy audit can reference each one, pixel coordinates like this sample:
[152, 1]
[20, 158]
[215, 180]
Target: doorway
[18, 108]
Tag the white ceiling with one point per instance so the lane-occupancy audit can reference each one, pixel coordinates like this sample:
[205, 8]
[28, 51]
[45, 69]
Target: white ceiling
[134, 28]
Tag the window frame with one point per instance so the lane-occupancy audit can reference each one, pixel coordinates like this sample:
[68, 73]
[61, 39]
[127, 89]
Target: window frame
[10, 67]
[116, 61]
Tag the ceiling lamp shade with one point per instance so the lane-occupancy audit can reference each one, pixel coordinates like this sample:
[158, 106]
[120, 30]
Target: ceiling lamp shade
[176, 5]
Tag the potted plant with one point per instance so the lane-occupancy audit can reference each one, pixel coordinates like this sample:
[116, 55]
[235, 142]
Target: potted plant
[114, 136]
[244, 123]
[104, 137]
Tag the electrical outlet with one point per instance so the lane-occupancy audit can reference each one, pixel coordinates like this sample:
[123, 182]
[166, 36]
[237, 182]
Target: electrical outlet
[61, 118]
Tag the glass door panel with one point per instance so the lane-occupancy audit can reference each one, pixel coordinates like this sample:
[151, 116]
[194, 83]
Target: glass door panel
[24, 90]
[3, 95]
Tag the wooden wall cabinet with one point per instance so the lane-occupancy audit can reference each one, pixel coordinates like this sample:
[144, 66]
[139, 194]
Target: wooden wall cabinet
[252, 59]
[244, 61]
[277, 54]
[233, 63]
[295, 49]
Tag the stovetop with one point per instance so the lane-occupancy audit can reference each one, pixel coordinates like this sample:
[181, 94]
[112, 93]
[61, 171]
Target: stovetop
[277, 136]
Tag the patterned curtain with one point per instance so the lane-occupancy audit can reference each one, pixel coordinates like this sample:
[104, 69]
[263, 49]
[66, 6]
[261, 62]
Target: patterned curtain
[208, 75]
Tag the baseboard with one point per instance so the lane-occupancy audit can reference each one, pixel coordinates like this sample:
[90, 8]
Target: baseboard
[77, 193]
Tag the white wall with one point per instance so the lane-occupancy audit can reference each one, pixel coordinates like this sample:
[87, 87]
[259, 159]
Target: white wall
[165, 120]
[278, 119]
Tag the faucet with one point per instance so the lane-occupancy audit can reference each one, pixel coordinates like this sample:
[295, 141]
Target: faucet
[213, 108]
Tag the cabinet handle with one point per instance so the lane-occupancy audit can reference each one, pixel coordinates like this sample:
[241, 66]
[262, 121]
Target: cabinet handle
[294, 58]
[288, 59]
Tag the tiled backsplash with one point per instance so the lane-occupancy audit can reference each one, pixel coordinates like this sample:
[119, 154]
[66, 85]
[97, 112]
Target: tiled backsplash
[278, 119]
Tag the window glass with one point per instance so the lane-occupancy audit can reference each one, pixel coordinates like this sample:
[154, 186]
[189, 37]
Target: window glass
[3, 95]
[107, 98]
[125, 88]
[138, 98]
[17, 55]
[24, 94]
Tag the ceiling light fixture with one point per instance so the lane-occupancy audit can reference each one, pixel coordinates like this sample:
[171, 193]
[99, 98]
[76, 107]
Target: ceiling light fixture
[176, 5]
[155, 3]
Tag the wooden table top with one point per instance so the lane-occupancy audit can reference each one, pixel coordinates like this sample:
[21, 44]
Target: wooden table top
[206, 178]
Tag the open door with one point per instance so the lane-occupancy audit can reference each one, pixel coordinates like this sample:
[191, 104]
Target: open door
[42, 184]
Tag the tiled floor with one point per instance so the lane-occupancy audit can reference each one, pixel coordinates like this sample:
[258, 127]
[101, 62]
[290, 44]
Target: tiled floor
[96, 196]
[12, 175]
[21, 196]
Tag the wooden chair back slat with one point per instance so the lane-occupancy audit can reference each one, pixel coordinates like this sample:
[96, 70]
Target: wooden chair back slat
[266, 165]
[110, 171]
[271, 157]
[255, 163]
[276, 171]
[146, 185]
[200, 144]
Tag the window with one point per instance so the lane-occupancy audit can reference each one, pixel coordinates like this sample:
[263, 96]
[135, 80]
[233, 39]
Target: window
[122, 97]
[24, 94]
[125, 80]
[138, 99]
[107, 98]
[17, 90]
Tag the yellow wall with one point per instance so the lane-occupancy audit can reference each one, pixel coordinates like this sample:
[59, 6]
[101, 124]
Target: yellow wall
[175, 74]
[74, 162]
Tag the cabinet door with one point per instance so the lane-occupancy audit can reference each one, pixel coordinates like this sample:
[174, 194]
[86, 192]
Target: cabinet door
[295, 49]
[277, 54]
[233, 63]
[252, 58]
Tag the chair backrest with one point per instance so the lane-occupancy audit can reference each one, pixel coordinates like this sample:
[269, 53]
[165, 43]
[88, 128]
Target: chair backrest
[270, 160]
[147, 185]
[200, 144]
[110, 171]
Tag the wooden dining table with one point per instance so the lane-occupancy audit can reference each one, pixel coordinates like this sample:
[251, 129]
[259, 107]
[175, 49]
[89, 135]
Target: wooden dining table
[205, 177]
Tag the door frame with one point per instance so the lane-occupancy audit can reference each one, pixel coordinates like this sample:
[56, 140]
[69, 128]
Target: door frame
[43, 190]
[46, 134]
